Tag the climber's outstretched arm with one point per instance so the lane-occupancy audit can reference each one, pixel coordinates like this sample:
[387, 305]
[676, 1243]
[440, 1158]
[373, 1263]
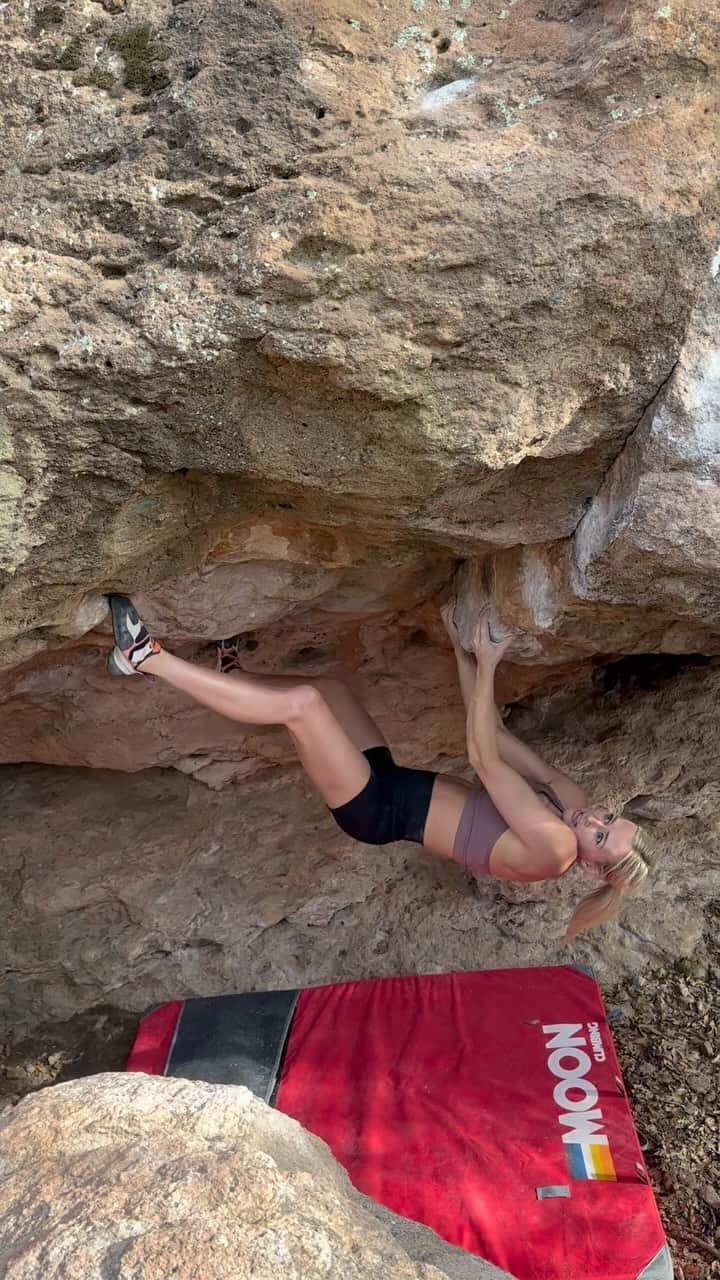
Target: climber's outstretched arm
[547, 847]
[522, 758]
[464, 661]
[532, 766]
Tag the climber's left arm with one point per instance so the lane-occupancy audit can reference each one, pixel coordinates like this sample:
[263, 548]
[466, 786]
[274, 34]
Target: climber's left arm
[532, 766]
[547, 846]
[511, 750]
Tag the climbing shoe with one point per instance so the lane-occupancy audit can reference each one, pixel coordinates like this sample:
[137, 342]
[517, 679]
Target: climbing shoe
[228, 651]
[133, 643]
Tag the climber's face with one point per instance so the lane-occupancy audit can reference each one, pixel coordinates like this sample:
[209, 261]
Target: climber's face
[602, 836]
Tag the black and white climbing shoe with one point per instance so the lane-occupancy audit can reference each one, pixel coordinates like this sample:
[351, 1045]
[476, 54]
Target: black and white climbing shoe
[133, 643]
[228, 651]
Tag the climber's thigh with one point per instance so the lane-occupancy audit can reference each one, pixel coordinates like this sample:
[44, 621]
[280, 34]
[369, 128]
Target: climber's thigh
[350, 713]
[332, 761]
[347, 709]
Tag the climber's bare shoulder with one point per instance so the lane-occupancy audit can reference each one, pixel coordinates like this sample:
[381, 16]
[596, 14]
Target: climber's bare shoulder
[512, 859]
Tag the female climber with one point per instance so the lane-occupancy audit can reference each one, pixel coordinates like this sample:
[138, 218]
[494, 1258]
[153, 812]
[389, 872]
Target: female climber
[526, 821]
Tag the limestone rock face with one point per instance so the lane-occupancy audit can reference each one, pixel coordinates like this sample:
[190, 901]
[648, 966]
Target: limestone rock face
[146, 1178]
[412, 270]
[66, 709]
[137, 888]
[640, 573]
[299, 309]
[651, 538]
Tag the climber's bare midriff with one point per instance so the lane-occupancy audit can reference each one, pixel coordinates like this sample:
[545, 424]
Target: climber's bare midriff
[443, 819]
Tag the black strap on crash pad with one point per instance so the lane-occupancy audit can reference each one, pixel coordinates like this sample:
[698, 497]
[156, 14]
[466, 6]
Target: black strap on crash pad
[234, 1040]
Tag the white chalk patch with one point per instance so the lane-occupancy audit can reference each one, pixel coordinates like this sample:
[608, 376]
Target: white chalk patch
[537, 589]
[438, 98]
[592, 537]
[696, 439]
[715, 264]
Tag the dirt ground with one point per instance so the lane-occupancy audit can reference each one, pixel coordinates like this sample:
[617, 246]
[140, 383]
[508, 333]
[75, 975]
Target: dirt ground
[98, 1040]
[666, 1027]
[667, 1035]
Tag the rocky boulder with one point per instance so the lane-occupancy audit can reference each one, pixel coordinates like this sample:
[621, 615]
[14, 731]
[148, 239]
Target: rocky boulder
[297, 306]
[122, 1176]
[639, 573]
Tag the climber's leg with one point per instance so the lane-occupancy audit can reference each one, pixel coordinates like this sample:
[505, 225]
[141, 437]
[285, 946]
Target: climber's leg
[347, 709]
[351, 715]
[331, 758]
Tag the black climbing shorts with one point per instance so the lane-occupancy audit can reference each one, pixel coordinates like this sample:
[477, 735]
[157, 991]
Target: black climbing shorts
[393, 804]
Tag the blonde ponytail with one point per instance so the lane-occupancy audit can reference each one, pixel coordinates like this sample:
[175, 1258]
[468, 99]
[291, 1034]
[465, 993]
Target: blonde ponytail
[621, 878]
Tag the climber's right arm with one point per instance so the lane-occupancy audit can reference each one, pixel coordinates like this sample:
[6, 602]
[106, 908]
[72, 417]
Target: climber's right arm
[545, 846]
[532, 766]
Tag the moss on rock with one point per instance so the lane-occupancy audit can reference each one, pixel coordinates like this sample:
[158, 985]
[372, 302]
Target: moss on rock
[140, 50]
[49, 15]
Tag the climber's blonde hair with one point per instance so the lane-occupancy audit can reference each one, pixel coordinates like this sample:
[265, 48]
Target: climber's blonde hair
[621, 878]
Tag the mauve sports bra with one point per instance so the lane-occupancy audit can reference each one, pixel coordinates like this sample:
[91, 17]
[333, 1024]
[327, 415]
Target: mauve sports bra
[481, 826]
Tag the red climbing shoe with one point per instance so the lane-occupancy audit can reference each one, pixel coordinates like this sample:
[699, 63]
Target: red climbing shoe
[229, 651]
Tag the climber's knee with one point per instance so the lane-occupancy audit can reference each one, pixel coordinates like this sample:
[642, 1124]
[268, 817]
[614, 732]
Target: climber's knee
[305, 703]
[331, 688]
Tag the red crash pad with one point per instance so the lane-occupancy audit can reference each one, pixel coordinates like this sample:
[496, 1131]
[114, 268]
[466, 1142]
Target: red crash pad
[488, 1106]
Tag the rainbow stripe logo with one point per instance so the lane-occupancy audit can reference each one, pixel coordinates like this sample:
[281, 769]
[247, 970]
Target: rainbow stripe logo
[590, 1160]
[571, 1049]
